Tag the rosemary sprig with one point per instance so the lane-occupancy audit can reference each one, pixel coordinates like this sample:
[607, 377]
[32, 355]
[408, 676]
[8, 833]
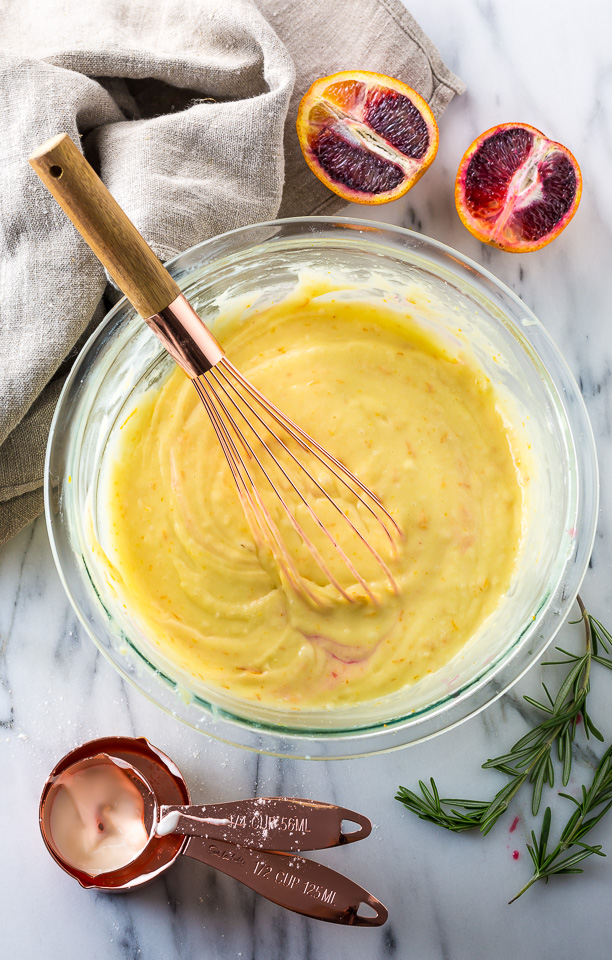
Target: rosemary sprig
[547, 864]
[445, 813]
[531, 760]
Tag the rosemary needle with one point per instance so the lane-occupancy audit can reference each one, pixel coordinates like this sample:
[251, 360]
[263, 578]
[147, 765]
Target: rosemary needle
[531, 760]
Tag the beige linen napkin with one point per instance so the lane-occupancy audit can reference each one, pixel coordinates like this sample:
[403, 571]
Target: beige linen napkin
[187, 109]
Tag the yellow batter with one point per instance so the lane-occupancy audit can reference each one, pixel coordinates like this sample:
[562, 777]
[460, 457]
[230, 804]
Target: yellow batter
[418, 425]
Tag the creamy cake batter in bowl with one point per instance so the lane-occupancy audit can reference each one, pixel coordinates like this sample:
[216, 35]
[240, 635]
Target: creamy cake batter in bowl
[426, 377]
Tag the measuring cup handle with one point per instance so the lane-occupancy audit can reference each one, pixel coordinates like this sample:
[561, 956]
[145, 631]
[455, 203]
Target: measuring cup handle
[293, 882]
[271, 823]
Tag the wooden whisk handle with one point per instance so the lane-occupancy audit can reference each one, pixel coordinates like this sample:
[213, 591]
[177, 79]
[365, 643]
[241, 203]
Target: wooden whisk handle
[104, 226]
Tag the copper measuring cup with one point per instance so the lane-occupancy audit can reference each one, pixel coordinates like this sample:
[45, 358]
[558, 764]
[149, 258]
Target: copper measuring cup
[249, 840]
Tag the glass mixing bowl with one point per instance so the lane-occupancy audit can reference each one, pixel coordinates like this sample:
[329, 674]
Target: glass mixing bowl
[535, 388]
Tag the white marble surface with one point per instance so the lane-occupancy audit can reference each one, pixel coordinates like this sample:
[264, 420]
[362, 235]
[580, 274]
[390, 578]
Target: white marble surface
[546, 62]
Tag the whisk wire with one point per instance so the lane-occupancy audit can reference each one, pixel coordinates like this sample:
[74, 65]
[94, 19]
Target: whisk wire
[292, 519]
[250, 497]
[309, 444]
[299, 493]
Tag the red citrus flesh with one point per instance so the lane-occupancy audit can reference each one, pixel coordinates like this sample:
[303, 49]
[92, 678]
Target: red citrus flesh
[367, 137]
[516, 189]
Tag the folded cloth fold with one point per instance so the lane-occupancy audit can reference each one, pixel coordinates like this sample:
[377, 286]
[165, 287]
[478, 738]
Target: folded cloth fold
[187, 110]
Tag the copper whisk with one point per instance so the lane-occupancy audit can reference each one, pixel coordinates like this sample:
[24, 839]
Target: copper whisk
[268, 454]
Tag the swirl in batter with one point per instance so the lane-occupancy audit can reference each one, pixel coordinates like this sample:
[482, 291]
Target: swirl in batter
[416, 421]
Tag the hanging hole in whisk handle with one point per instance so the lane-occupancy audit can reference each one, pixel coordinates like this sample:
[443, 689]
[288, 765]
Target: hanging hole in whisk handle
[102, 223]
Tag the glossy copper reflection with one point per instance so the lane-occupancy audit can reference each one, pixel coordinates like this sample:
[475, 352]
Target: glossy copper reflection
[271, 823]
[186, 337]
[168, 786]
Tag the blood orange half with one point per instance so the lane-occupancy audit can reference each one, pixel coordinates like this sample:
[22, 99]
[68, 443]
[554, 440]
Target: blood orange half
[367, 137]
[516, 189]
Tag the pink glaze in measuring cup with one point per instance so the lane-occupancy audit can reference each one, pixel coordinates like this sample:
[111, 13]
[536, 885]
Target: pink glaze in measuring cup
[237, 837]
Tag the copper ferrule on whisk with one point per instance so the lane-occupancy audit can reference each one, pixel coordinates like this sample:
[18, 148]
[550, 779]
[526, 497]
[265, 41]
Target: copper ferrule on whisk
[186, 337]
